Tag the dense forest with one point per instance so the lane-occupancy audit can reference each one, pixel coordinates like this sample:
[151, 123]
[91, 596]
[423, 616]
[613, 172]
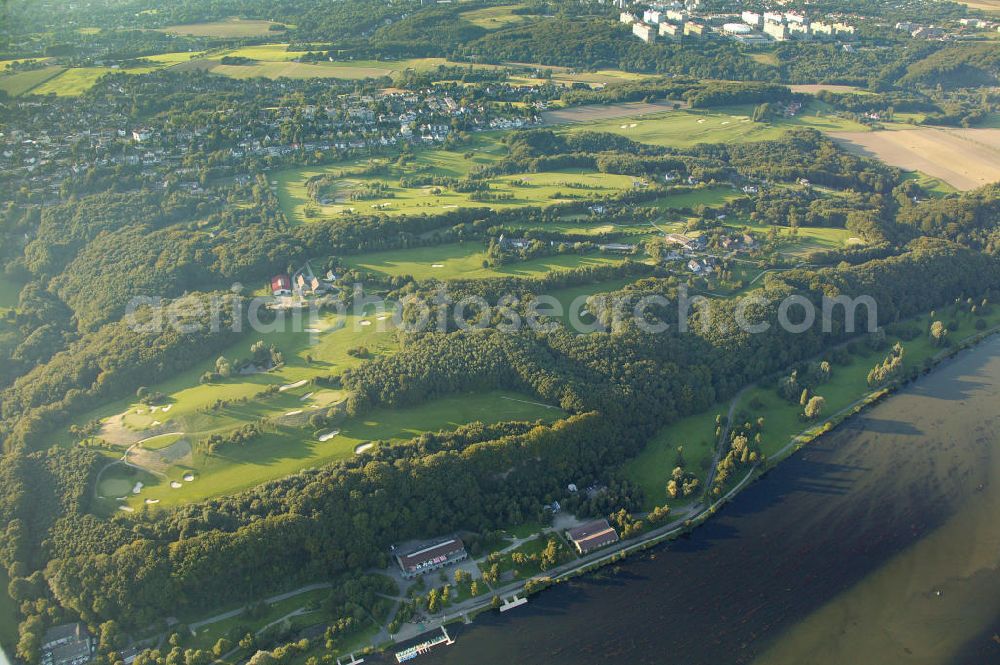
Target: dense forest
[180, 202]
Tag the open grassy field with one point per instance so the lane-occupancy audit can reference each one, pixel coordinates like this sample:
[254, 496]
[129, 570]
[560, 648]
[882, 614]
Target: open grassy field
[78, 80]
[231, 28]
[651, 468]
[688, 127]
[848, 384]
[963, 158]
[24, 82]
[465, 261]
[494, 18]
[290, 449]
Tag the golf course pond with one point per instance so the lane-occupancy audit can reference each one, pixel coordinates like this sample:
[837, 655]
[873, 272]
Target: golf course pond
[878, 543]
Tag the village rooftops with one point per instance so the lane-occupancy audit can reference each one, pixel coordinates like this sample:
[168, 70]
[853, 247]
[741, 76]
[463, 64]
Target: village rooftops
[592, 536]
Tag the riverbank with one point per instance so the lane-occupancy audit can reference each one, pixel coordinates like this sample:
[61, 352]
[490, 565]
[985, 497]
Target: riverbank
[925, 360]
[886, 498]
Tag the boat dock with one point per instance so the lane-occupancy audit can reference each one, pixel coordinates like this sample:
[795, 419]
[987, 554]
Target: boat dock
[352, 661]
[512, 603]
[424, 647]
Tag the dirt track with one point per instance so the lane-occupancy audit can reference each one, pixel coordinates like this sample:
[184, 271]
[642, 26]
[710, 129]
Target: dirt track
[964, 158]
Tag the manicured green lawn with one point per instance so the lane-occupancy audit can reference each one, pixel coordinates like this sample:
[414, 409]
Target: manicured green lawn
[162, 441]
[930, 184]
[688, 127]
[465, 261]
[189, 400]
[708, 196]
[526, 189]
[289, 449]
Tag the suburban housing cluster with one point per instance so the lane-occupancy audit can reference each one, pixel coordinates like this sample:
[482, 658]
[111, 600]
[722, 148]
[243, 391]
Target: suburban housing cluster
[675, 20]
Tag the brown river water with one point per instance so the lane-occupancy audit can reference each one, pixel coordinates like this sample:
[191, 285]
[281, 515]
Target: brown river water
[877, 544]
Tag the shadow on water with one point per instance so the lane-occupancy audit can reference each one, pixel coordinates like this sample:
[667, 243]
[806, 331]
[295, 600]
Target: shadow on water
[878, 426]
[819, 524]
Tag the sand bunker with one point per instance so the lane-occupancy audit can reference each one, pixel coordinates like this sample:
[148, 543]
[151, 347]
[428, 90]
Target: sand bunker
[150, 502]
[290, 386]
[188, 477]
[326, 436]
[701, 121]
[294, 413]
[167, 407]
[175, 485]
[127, 509]
[306, 396]
[137, 488]
[155, 423]
[437, 265]
[362, 448]
[366, 323]
[312, 330]
[382, 318]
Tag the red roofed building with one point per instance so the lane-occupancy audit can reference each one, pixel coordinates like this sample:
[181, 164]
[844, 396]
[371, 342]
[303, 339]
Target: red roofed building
[592, 536]
[281, 285]
[431, 557]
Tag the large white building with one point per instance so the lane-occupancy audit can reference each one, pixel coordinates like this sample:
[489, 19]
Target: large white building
[652, 16]
[646, 33]
[752, 19]
[776, 31]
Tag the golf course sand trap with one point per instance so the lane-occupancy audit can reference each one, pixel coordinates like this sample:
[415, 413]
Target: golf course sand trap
[366, 323]
[292, 386]
[437, 265]
[382, 318]
[312, 330]
[150, 502]
[306, 396]
[294, 412]
[137, 488]
[326, 436]
[188, 477]
[175, 485]
[362, 448]
[963, 158]
[126, 509]
[167, 407]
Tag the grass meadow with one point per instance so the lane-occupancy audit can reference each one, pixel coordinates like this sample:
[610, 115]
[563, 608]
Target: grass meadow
[847, 385]
[465, 261]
